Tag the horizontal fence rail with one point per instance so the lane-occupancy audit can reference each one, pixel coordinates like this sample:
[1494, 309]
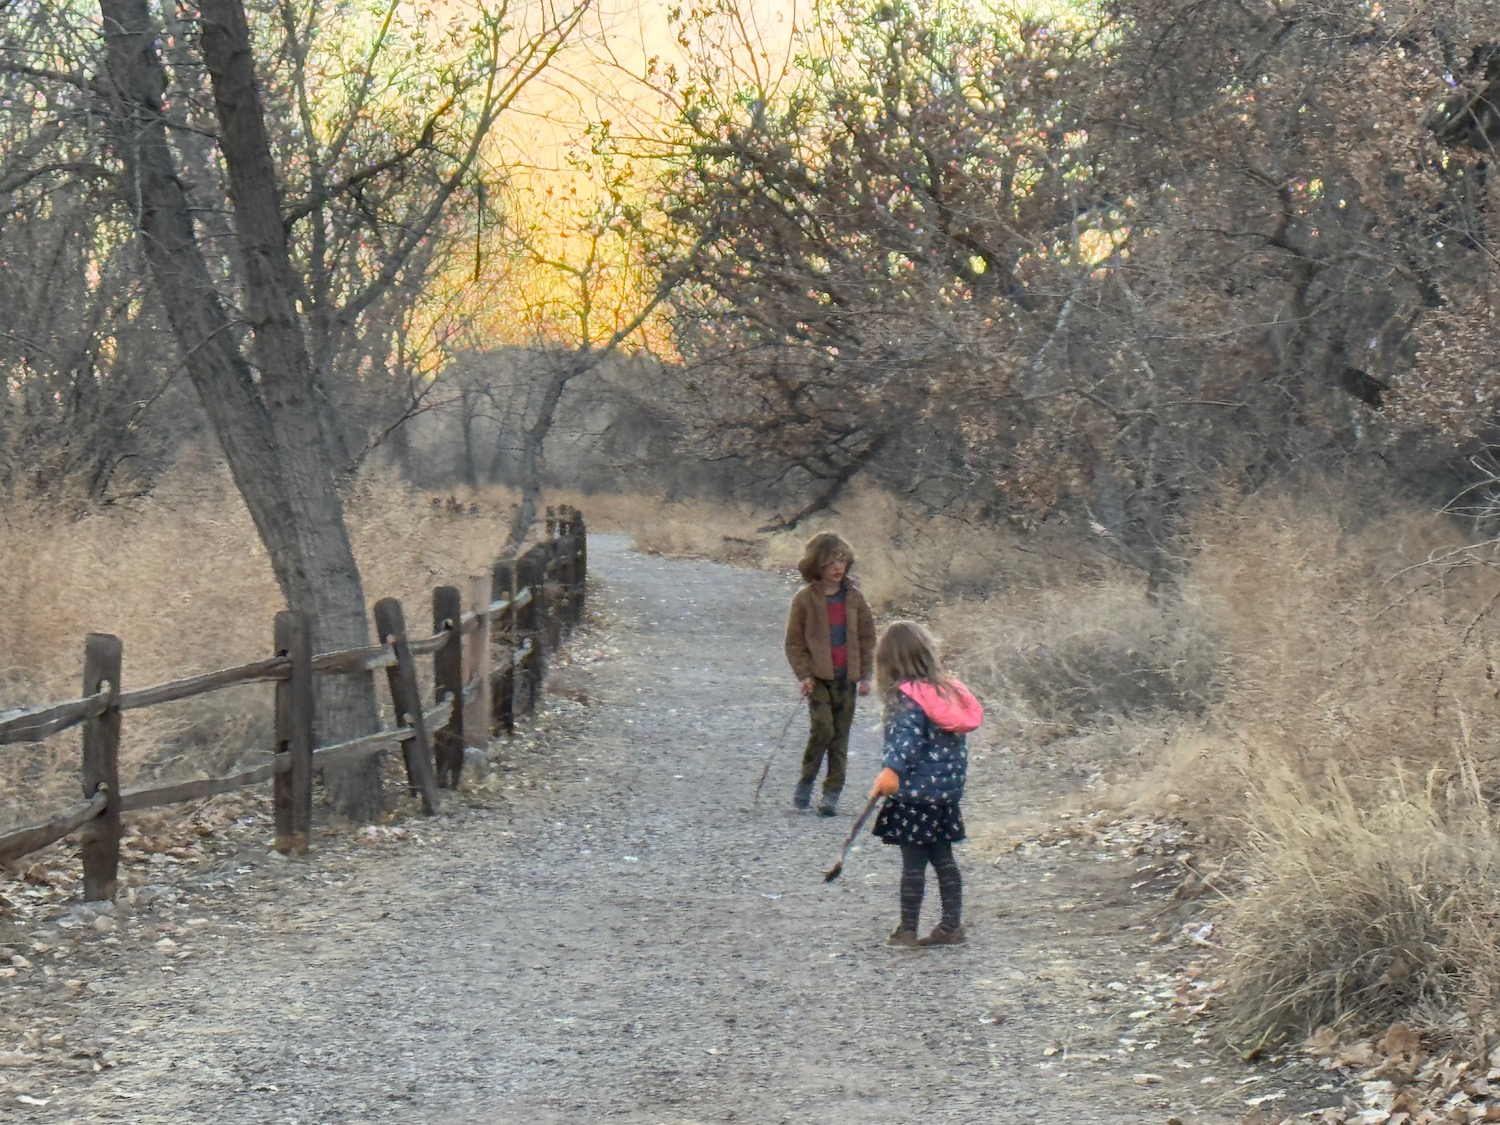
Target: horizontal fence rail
[35, 725]
[520, 612]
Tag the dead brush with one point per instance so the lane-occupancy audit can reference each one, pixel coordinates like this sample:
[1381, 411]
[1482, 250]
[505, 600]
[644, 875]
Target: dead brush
[182, 579]
[1365, 908]
[689, 529]
[910, 559]
[1344, 652]
[1088, 654]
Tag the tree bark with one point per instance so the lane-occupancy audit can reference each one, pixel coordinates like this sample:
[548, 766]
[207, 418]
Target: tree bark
[264, 417]
[533, 437]
[466, 416]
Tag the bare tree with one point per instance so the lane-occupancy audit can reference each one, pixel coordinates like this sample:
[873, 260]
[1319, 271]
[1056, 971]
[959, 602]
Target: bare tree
[583, 276]
[886, 220]
[79, 335]
[262, 415]
[249, 236]
[1097, 268]
[377, 178]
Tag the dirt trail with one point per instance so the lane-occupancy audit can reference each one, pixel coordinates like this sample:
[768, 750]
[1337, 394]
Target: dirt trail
[622, 937]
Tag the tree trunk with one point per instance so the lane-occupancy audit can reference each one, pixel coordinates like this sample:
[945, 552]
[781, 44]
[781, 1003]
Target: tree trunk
[466, 413]
[264, 418]
[533, 437]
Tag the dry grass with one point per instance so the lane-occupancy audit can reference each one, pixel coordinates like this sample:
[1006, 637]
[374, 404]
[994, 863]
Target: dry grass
[1089, 654]
[1357, 657]
[682, 529]
[908, 558]
[1349, 650]
[1368, 907]
[183, 581]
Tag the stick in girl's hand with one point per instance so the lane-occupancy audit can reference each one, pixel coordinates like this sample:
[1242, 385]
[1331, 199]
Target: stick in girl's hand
[838, 868]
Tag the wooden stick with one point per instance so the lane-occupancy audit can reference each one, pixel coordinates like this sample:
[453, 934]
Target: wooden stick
[40, 723]
[367, 659]
[838, 868]
[448, 677]
[476, 668]
[133, 800]
[272, 668]
[356, 748]
[775, 749]
[503, 677]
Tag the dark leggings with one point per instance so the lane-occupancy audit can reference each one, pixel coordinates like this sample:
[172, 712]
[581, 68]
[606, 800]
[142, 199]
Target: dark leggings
[914, 861]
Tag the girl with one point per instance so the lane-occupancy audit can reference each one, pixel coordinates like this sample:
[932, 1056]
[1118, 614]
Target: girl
[830, 640]
[928, 715]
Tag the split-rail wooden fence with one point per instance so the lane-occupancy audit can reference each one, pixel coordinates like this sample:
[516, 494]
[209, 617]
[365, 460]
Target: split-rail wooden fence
[524, 608]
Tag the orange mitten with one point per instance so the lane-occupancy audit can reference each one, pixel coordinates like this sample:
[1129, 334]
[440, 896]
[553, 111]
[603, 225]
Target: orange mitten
[887, 783]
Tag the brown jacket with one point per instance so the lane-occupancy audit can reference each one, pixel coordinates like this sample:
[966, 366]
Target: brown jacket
[807, 647]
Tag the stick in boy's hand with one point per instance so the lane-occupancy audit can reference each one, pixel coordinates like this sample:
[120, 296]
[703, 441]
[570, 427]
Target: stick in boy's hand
[780, 738]
[837, 869]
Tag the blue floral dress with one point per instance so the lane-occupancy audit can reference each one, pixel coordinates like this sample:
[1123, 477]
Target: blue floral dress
[933, 764]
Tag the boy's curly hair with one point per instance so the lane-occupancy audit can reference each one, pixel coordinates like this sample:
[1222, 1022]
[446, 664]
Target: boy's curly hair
[821, 550]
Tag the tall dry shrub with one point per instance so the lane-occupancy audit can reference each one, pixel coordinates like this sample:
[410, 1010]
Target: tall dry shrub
[1366, 908]
[1357, 640]
[1090, 653]
[681, 529]
[911, 558]
[1358, 644]
[182, 579]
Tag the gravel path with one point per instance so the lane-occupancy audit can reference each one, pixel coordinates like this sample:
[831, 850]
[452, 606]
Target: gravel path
[624, 937]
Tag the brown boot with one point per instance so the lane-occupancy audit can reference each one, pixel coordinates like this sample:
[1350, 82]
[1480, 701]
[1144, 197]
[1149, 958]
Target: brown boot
[940, 936]
[903, 939]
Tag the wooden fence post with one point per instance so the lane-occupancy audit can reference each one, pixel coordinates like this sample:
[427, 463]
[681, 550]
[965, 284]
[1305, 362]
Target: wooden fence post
[390, 623]
[448, 679]
[476, 664]
[574, 530]
[531, 573]
[562, 577]
[102, 659]
[294, 734]
[503, 704]
[554, 581]
[582, 549]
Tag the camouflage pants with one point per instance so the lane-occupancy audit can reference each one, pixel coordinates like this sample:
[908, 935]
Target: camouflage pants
[830, 710]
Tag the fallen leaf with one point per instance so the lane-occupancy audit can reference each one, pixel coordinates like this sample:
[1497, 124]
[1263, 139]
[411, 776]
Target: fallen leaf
[1401, 1041]
[1322, 1042]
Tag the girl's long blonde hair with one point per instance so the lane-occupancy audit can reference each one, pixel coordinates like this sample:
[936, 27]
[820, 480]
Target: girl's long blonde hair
[906, 651]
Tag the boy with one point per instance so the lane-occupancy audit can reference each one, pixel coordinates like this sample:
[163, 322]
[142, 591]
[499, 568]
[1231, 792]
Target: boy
[830, 644]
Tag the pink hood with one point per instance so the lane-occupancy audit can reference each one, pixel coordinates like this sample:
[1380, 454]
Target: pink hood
[954, 710]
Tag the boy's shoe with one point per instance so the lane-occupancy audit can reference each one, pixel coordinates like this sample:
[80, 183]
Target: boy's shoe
[940, 936]
[904, 939]
[829, 805]
[802, 796]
